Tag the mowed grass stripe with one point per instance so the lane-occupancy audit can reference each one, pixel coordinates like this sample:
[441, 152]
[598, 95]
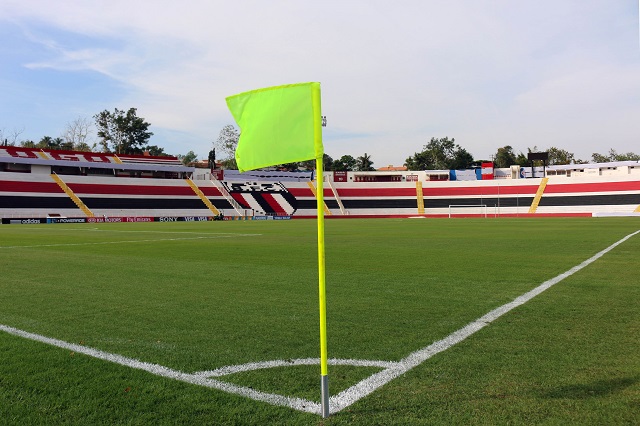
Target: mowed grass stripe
[376, 270]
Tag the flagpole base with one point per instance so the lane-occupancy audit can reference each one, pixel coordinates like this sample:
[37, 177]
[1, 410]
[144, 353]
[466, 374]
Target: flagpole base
[324, 392]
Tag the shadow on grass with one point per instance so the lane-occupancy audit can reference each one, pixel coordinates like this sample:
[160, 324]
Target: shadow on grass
[592, 390]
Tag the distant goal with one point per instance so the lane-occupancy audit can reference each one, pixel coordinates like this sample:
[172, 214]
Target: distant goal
[465, 210]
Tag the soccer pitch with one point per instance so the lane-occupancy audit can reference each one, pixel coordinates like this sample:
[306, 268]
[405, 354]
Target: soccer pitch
[166, 323]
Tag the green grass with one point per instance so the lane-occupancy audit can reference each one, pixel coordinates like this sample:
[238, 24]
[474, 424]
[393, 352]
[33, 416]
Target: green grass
[569, 356]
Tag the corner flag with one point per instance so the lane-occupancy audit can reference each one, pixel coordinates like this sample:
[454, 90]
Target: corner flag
[280, 125]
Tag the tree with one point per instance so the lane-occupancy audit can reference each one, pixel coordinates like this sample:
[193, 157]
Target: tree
[629, 156]
[226, 143]
[327, 161]
[307, 165]
[505, 157]
[10, 138]
[47, 142]
[462, 159]
[440, 154]
[230, 163]
[59, 143]
[291, 167]
[83, 146]
[156, 151]
[559, 156]
[522, 160]
[364, 163]
[614, 156]
[417, 162]
[345, 163]
[188, 158]
[599, 158]
[77, 134]
[122, 133]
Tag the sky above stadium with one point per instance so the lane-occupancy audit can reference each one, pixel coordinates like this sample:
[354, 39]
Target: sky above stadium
[394, 74]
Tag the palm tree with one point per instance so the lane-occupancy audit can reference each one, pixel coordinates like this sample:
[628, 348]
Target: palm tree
[364, 163]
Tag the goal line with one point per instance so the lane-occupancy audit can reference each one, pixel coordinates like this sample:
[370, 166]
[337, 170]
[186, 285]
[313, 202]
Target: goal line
[482, 208]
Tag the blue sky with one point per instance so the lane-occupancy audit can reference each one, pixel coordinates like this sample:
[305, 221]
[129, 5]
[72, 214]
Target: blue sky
[394, 74]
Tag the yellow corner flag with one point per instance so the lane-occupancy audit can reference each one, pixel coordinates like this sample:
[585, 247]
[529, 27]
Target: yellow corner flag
[278, 125]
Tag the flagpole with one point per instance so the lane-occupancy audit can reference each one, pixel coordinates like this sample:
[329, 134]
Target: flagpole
[324, 378]
[319, 151]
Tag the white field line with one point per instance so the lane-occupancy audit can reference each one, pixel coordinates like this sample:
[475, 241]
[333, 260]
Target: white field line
[232, 369]
[201, 237]
[377, 380]
[159, 370]
[391, 370]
